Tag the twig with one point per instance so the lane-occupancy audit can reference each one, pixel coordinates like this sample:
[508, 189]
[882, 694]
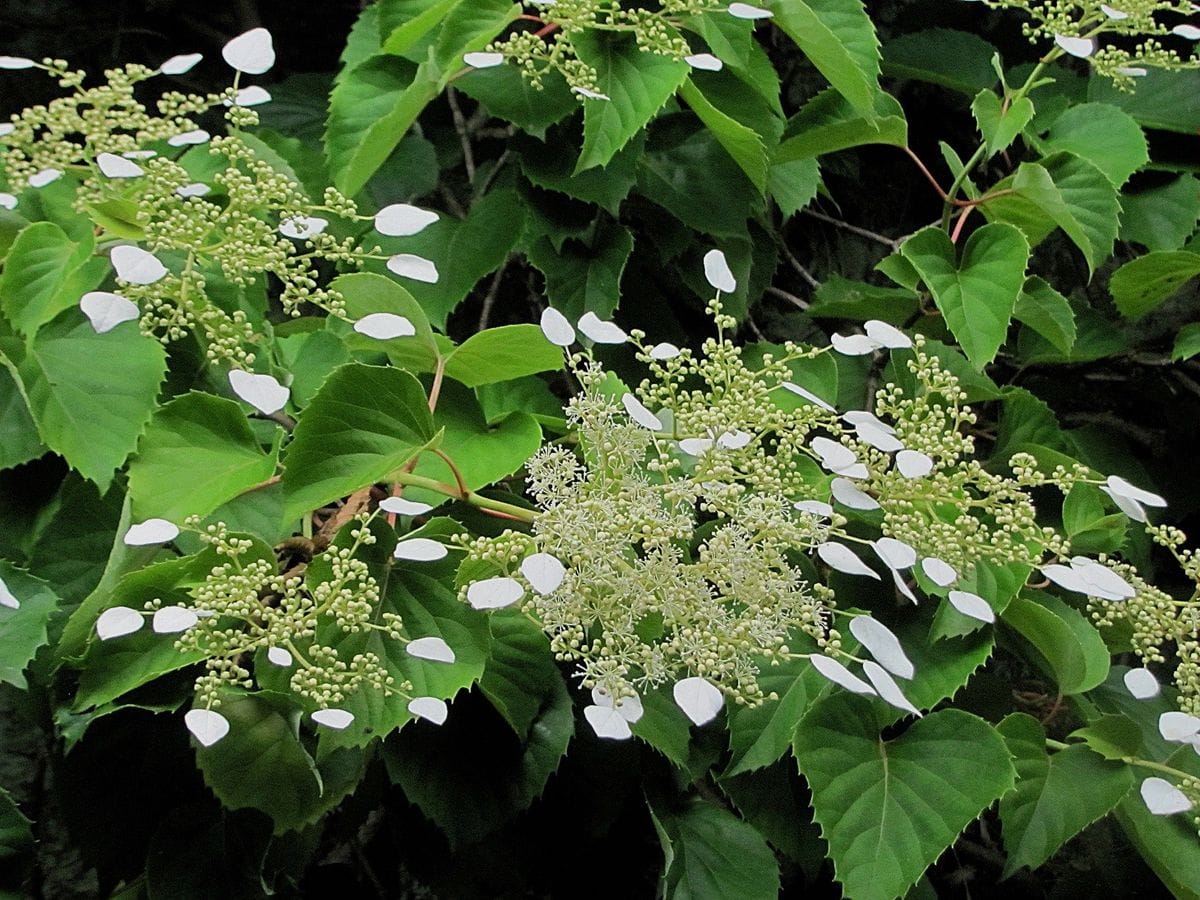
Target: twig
[800, 270]
[790, 298]
[489, 299]
[854, 229]
[464, 137]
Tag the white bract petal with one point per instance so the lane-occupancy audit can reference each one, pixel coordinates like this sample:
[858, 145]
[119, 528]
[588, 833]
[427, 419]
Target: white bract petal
[140, 154]
[1101, 581]
[834, 456]
[972, 605]
[279, 656]
[1131, 508]
[1190, 32]
[1066, 577]
[1112, 13]
[301, 228]
[1141, 683]
[848, 494]
[705, 62]
[334, 718]
[7, 128]
[877, 438]
[734, 440]
[181, 64]
[433, 649]
[7, 598]
[717, 272]
[640, 414]
[630, 708]
[263, 392]
[431, 709]
[902, 586]
[384, 326]
[195, 189]
[106, 310]
[1076, 46]
[494, 593]
[250, 96]
[839, 674]
[483, 60]
[402, 507]
[173, 619]
[7, 200]
[44, 177]
[699, 699]
[914, 463]
[886, 335]
[696, 446]
[814, 508]
[118, 621]
[887, 688]
[840, 557]
[664, 351]
[1178, 726]
[600, 331]
[206, 725]
[403, 220]
[16, 62]
[746, 11]
[853, 345]
[607, 723]
[113, 166]
[251, 53]
[151, 531]
[591, 95]
[1123, 488]
[860, 418]
[807, 395]
[1162, 798]
[418, 268]
[136, 266]
[939, 571]
[882, 644]
[1133, 71]
[420, 550]
[544, 572]
[556, 328]
[895, 554]
[189, 138]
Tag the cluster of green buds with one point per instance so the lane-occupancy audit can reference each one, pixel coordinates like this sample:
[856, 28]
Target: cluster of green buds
[1121, 40]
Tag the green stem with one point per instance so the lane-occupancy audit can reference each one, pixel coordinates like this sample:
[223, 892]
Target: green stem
[519, 513]
[1129, 761]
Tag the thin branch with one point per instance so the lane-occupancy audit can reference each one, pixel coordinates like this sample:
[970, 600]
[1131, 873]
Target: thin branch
[800, 270]
[888, 242]
[790, 298]
[489, 299]
[464, 137]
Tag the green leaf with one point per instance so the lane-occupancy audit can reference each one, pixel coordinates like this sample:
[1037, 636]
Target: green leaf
[829, 123]
[506, 94]
[1104, 135]
[793, 184]
[419, 19]
[664, 727]
[519, 669]
[1164, 99]
[309, 358]
[45, 272]
[551, 165]
[1163, 217]
[365, 423]
[999, 123]
[977, 295]
[912, 795]
[839, 39]
[584, 276]
[1166, 843]
[502, 354]
[366, 293]
[944, 666]
[1057, 795]
[23, 630]
[841, 298]
[16, 833]
[71, 550]
[958, 60]
[742, 143]
[1187, 342]
[1111, 736]
[1143, 284]
[197, 453]
[91, 394]
[1084, 518]
[19, 440]
[1047, 312]
[1070, 647]
[637, 85]
[261, 764]
[709, 852]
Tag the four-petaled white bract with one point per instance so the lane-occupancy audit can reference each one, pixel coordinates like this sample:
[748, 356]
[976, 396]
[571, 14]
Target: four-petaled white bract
[972, 605]
[1162, 798]
[206, 725]
[189, 138]
[1080, 47]
[7, 598]
[895, 554]
[848, 494]
[134, 265]
[420, 550]
[16, 62]
[173, 619]
[7, 200]
[838, 458]
[883, 645]
[887, 689]
[939, 571]
[118, 621]
[543, 571]
[830, 668]
[431, 709]
[495, 593]
[279, 656]
[1141, 683]
[607, 723]
[433, 649]
[630, 708]
[1086, 576]
[106, 310]
[250, 96]
[251, 53]
[556, 328]
[195, 189]
[914, 463]
[402, 507]
[886, 335]
[181, 64]
[601, 331]
[1129, 498]
[482, 60]
[705, 62]
[302, 228]
[114, 166]
[1179, 727]
[44, 177]
[664, 351]
[718, 273]
[807, 395]
[699, 699]
[151, 531]
[746, 11]
[384, 326]
[590, 94]
[263, 392]
[418, 268]
[334, 718]
[640, 414]
[840, 557]
[403, 220]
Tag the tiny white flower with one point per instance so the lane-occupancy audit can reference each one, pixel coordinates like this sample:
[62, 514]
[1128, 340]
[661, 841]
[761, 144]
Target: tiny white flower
[181, 64]
[1189, 32]
[433, 649]
[1129, 498]
[1179, 727]
[853, 345]
[840, 557]
[251, 53]
[483, 60]
[699, 699]
[106, 310]
[334, 718]
[640, 414]
[206, 725]
[883, 645]
[734, 440]
[600, 331]
[705, 62]
[886, 335]
[384, 326]
[664, 351]
[544, 572]
[7, 128]
[431, 709]
[140, 154]
[418, 268]
[1162, 798]
[494, 593]
[1114, 14]
[16, 62]
[838, 458]
[895, 554]
[630, 708]
[250, 96]
[696, 446]
[150, 532]
[263, 392]
[877, 438]
[1141, 683]
[118, 621]
[403, 220]
[814, 508]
